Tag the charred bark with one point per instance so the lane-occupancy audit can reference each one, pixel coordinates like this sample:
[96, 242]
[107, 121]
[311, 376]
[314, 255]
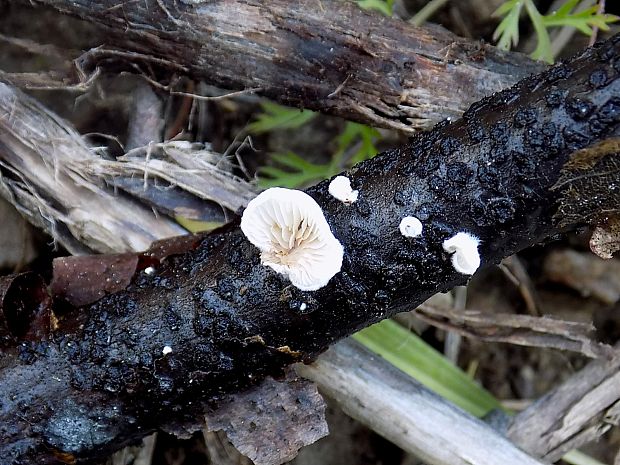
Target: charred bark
[329, 55]
[102, 378]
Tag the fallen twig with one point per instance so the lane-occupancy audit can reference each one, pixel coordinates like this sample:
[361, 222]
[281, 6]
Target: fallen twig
[406, 413]
[214, 320]
[397, 76]
[522, 330]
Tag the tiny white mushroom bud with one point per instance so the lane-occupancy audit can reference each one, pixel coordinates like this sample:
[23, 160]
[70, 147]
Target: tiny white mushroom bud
[410, 226]
[340, 188]
[290, 230]
[166, 350]
[464, 247]
[149, 270]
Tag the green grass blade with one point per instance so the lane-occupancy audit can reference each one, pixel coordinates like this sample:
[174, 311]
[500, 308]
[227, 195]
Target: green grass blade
[383, 6]
[574, 457]
[412, 355]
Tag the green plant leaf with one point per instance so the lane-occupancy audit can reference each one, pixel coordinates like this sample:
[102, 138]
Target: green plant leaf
[275, 116]
[583, 20]
[508, 29]
[356, 143]
[543, 46]
[352, 134]
[292, 171]
[566, 7]
[412, 355]
[195, 226]
[383, 6]
[507, 32]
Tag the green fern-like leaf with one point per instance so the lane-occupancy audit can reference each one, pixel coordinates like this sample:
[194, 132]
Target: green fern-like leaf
[353, 134]
[543, 44]
[292, 171]
[355, 144]
[583, 21]
[507, 32]
[275, 116]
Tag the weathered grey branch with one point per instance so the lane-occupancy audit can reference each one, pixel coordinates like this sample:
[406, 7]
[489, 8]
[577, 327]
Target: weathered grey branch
[579, 411]
[400, 409]
[41, 159]
[231, 321]
[326, 55]
[516, 329]
[60, 185]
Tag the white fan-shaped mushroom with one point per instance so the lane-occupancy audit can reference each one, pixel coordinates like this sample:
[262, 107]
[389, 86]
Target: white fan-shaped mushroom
[410, 226]
[340, 188]
[464, 249]
[290, 230]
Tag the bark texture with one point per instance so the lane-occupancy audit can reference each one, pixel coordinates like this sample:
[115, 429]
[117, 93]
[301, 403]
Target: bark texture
[43, 165]
[370, 389]
[579, 411]
[326, 55]
[102, 379]
[400, 409]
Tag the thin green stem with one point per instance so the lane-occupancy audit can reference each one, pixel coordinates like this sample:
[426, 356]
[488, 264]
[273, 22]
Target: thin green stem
[425, 13]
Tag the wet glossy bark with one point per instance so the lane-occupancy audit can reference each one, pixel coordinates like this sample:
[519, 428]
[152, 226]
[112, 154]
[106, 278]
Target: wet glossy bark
[102, 378]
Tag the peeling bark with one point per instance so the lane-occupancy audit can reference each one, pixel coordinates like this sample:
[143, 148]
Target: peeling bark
[103, 380]
[326, 55]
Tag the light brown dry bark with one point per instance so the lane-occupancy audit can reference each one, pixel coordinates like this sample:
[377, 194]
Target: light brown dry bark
[326, 55]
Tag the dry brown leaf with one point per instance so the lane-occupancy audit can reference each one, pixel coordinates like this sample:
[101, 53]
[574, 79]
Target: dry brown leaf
[605, 240]
[85, 279]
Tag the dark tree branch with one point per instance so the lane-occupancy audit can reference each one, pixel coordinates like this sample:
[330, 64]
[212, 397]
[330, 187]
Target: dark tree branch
[326, 55]
[101, 379]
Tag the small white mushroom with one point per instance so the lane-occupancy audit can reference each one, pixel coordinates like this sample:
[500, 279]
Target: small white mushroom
[464, 249]
[340, 188]
[410, 226]
[166, 350]
[290, 230]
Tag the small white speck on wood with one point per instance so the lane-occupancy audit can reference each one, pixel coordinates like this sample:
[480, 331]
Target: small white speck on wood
[410, 226]
[340, 188]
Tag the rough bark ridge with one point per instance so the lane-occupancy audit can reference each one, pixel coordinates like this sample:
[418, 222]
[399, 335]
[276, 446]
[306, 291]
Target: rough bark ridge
[101, 378]
[326, 55]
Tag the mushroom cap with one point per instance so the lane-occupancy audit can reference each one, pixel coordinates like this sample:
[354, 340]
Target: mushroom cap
[290, 230]
[340, 188]
[410, 226]
[464, 249]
